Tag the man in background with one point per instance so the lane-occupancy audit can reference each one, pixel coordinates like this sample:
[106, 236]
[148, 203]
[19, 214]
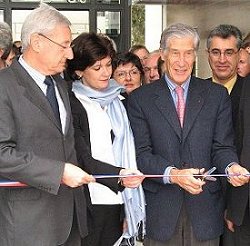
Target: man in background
[151, 67]
[243, 68]
[223, 45]
[5, 43]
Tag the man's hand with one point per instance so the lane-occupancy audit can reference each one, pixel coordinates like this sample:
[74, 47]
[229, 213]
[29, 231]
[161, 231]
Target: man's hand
[229, 223]
[134, 181]
[74, 176]
[238, 179]
[185, 179]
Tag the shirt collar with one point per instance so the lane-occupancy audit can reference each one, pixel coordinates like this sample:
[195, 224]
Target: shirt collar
[37, 76]
[172, 85]
[229, 84]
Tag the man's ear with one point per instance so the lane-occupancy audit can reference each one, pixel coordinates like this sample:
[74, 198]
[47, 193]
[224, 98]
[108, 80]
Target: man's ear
[162, 54]
[35, 42]
[1, 52]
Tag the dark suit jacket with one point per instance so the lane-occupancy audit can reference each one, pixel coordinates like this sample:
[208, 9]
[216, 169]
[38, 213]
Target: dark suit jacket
[33, 150]
[235, 101]
[235, 98]
[206, 140]
[238, 197]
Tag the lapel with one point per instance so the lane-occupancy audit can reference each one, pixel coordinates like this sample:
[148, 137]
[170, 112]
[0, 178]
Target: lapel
[165, 104]
[197, 93]
[34, 94]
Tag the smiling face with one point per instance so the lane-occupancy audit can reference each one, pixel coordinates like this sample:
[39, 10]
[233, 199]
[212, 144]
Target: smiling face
[223, 57]
[128, 75]
[97, 76]
[179, 59]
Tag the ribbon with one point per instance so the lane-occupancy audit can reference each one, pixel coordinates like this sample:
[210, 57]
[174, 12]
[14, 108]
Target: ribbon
[9, 183]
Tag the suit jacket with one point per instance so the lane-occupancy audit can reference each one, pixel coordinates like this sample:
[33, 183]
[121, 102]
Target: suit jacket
[85, 159]
[206, 140]
[235, 101]
[235, 98]
[33, 150]
[238, 198]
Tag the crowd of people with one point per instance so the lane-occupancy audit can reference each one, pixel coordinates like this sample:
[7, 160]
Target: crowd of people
[115, 147]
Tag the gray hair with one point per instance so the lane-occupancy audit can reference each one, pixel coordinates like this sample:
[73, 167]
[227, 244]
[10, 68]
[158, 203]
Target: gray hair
[225, 31]
[43, 19]
[5, 38]
[179, 30]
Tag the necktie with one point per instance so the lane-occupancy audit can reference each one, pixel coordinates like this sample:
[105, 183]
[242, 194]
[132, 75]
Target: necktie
[180, 107]
[51, 96]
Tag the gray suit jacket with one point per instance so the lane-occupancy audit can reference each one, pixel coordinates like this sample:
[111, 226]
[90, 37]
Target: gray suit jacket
[33, 150]
[206, 140]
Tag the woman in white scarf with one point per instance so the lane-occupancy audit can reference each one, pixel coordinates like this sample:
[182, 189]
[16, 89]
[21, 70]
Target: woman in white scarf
[111, 140]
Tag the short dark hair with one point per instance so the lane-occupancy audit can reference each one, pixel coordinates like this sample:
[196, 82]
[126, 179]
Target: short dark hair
[125, 58]
[225, 31]
[88, 48]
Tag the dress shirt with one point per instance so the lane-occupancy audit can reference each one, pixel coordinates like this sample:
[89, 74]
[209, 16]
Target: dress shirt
[39, 79]
[229, 84]
[172, 86]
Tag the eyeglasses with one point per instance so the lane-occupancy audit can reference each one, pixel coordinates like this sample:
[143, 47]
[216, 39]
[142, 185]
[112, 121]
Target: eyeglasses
[54, 42]
[132, 73]
[216, 53]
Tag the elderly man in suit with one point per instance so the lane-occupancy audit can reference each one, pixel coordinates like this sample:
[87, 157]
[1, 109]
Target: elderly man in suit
[182, 127]
[37, 143]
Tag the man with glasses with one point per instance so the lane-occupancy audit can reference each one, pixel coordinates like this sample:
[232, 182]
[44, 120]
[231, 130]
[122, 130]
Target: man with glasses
[37, 139]
[223, 45]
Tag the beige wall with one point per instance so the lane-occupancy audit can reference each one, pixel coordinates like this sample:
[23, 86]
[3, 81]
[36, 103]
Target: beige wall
[205, 16]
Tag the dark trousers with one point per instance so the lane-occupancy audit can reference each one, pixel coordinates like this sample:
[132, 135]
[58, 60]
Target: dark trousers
[74, 238]
[242, 232]
[183, 235]
[106, 225]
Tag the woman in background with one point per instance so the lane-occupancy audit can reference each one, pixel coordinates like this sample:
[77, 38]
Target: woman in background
[128, 72]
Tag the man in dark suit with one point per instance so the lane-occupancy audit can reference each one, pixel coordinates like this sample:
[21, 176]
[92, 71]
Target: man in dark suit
[182, 127]
[238, 218]
[223, 45]
[36, 143]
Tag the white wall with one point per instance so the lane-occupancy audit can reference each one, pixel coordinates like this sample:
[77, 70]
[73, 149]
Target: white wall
[153, 26]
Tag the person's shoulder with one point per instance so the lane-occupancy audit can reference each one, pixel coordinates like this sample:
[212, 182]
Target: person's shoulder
[149, 88]
[246, 85]
[209, 86]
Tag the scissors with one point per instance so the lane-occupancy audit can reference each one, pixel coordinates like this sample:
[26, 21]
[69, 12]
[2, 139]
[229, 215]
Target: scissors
[207, 175]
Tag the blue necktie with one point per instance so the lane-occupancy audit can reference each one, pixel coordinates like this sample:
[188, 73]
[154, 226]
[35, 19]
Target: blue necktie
[51, 96]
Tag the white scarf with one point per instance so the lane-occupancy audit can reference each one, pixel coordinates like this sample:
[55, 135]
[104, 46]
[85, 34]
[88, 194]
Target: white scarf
[123, 148]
